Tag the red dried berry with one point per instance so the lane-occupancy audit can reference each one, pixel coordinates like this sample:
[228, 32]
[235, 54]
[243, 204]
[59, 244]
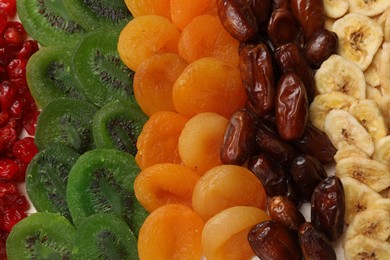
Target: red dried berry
[3, 23]
[8, 8]
[14, 35]
[21, 176]
[25, 149]
[16, 69]
[30, 120]
[8, 137]
[29, 48]
[16, 201]
[7, 94]
[8, 169]
[11, 217]
[7, 188]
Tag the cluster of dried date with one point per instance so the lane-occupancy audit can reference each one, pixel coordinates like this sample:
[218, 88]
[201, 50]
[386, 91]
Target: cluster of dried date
[282, 42]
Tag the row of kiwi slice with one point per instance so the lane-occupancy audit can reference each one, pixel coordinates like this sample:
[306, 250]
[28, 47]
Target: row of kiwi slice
[81, 181]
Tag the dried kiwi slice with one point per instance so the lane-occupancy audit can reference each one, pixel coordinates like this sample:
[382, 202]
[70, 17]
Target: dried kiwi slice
[104, 236]
[117, 125]
[102, 181]
[102, 75]
[99, 14]
[49, 75]
[41, 235]
[47, 176]
[48, 22]
[67, 121]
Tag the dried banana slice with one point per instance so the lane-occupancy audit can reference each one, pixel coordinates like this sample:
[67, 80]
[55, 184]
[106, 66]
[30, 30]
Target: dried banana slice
[359, 38]
[368, 7]
[340, 74]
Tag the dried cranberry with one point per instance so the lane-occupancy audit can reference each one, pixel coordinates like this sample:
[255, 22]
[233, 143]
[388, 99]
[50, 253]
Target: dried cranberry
[8, 137]
[30, 120]
[25, 149]
[16, 201]
[16, 69]
[28, 49]
[11, 217]
[22, 170]
[8, 169]
[7, 188]
[7, 94]
[8, 8]
[14, 35]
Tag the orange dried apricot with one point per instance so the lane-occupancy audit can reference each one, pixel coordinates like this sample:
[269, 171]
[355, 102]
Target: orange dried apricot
[165, 183]
[158, 140]
[171, 232]
[145, 36]
[200, 141]
[209, 85]
[205, 36]
[145, 7]
[224, 235]
[226, 186]
[154, 79]
[183, 11]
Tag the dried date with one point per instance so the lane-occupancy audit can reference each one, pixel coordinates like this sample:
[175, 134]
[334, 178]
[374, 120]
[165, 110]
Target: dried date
[270, 240]
[328, 207]
[262, 11]
[284, 211]
[238, 142]
[310, 15]
[258, 77]
[291, 108]
[320, 46]
[280, 4]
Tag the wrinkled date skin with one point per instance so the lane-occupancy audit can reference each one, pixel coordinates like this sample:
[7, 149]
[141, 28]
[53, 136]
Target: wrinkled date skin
[291, 108]
[310, 15]
[258, 77]
[307, 172]
[262, 10]
[290, 59]
[238, 19]
[276, 181]
[269, 141]
[328, 207]
[239, 138]
[317, 144]
[314, 244]
[280, 4]
[283, 28]
[284, 211]
[270, 240]
[319, 48]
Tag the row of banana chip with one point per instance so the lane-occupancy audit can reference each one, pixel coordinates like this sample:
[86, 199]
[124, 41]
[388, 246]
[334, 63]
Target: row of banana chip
[352, 107]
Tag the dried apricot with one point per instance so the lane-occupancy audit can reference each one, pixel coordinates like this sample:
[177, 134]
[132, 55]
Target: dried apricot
[171, 232]
[165, 183]
[209, 85]
[226, 186]
[224, 235]
[205, 36]
[145, 36]
[158, 141]
[145, 7]
[183, 11]
[154, 79]
[200, 141]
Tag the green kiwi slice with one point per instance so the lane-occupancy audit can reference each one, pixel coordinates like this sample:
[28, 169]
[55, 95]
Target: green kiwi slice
[42, 235]
[117, 125]
[104, 236]
[47, 176]
[49, 75]
[67, 121]
[48, 22]
[99, 14]
[102, 181]
[102, 75]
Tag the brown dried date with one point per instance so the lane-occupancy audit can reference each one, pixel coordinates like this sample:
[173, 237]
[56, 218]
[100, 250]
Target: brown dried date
[262, 10]
[319, 48]
[238, 19]
[270, 240]
[291, 107]
[284, 211]
[239, 138]
[328, 207]
[276, 181]
[307, 172]
[290, 59]
[269, 141]
[280, 4]
[283, 28]
[317, 144]
[314, 244]
[310, 15]
[258, 76]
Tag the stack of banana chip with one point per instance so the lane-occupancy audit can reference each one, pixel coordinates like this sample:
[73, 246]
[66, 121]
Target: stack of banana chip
[352, 107]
